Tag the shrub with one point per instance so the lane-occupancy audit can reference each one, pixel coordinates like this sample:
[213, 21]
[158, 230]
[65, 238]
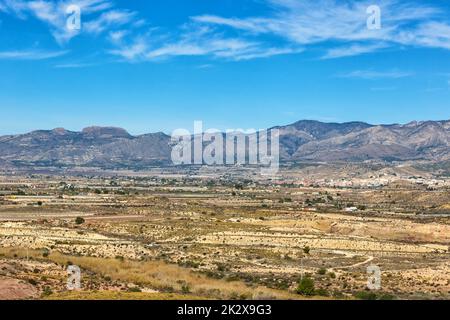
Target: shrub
[322, 292]
[322, 271]
[222, 267]
[190, 264]
[79, 220]
[306, 287]
[47, 291]
[366, 295]
[306, 250]
[185, 289]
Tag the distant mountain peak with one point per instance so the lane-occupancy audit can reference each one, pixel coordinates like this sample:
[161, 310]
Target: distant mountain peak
[106, 132]
[306, 140]
[60, 131]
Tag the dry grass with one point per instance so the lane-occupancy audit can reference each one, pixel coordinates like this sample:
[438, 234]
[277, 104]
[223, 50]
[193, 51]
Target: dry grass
[158, 275]
[117, 295]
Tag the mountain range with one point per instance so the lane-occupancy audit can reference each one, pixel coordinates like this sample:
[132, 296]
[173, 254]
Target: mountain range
[306, 140]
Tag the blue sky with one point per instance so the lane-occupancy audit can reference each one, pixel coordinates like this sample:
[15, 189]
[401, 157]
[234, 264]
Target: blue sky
[159, 65]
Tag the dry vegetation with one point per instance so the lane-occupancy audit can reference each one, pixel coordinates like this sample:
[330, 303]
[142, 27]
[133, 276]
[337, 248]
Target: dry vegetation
[214, 237]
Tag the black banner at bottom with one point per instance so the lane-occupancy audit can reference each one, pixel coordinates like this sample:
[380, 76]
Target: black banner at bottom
[199, 309]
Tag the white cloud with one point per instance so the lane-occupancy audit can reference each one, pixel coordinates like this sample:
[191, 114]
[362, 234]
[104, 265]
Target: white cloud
[430, 34]
[113, 18]
[134, 52]
[194, 40]
[53, 13]
[30, 55]
[73, 65]
[344, 22]
[336, 28]
[253, 25]
[265, 53]
[372, 74]
[117, 36]
[353, 50]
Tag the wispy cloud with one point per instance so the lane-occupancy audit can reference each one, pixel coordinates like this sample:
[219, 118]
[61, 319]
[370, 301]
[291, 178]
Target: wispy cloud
[295, 26]
[31, 55]
[372, 74]
[98, 15]
[344, 22]
[333, 28]
[73, 65]
[198, 41]
[108, 19]
[132, 52]
[117, 37]
[430, 34]
[353, 50]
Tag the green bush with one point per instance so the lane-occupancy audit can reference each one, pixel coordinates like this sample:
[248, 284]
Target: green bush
[306, 287]
[366, 295]
[47, 291]
[322, 271]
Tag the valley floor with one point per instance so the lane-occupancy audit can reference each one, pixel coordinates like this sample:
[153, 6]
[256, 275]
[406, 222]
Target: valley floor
[158, 238]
